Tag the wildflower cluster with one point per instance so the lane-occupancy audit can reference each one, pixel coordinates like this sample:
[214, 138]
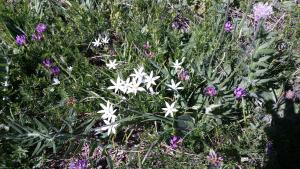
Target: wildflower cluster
[54, 70]
[37, 36]
[101, 40]
[191, 73]
[40, 29]
[109, 119]
[138, 81]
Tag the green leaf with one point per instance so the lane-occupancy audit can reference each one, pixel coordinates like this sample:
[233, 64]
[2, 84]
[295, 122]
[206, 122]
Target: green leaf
[38, 146]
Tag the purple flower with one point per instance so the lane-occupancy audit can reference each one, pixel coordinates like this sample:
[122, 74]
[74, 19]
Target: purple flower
[262, 11]
[78, 164]
[174, 142]
[40, 28]
[290, 95]
[214, 160]
[210, 91]
[37, 37]
[47, 63]
[55, 70]
[240, 92]
[184, 75]
[20, 39]
[228, 27]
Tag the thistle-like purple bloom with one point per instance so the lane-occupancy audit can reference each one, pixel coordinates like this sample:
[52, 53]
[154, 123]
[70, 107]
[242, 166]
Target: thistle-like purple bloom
[262, 11]
[228, 27]
[175, 140]
[79, 164]
[40, 28]
[290, 95]
[210, 91]
[47, 63]
[214, 160]
[20, 39]
[184, 75]
[240, 92]
[37, 37]
[55, 70]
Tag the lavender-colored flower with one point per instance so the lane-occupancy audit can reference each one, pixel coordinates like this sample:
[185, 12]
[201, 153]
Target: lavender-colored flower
[210, 91]
[262, 11]
[184, 75]
[47, 63]
[214, 160]
[228, 27]
[40, 28]
[55, 70]
[290, 95]
[79, 164]
[37, 37]
[20, 39]
[175, 140]
[240, 92]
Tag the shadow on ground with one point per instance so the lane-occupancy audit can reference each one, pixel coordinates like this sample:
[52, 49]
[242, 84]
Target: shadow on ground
[284, 133]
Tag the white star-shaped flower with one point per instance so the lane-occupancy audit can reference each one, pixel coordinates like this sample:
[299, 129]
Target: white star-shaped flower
[97, 42]
[135, 86]
[150, 80]
[105, 40]
[174, 86]
[177, 65]
[112, 64]
[126, 85]
[117, 85]
[108, 112]
[111, 128]
[56, 81]
[139, 74]
[70, 69]
[169, 109]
